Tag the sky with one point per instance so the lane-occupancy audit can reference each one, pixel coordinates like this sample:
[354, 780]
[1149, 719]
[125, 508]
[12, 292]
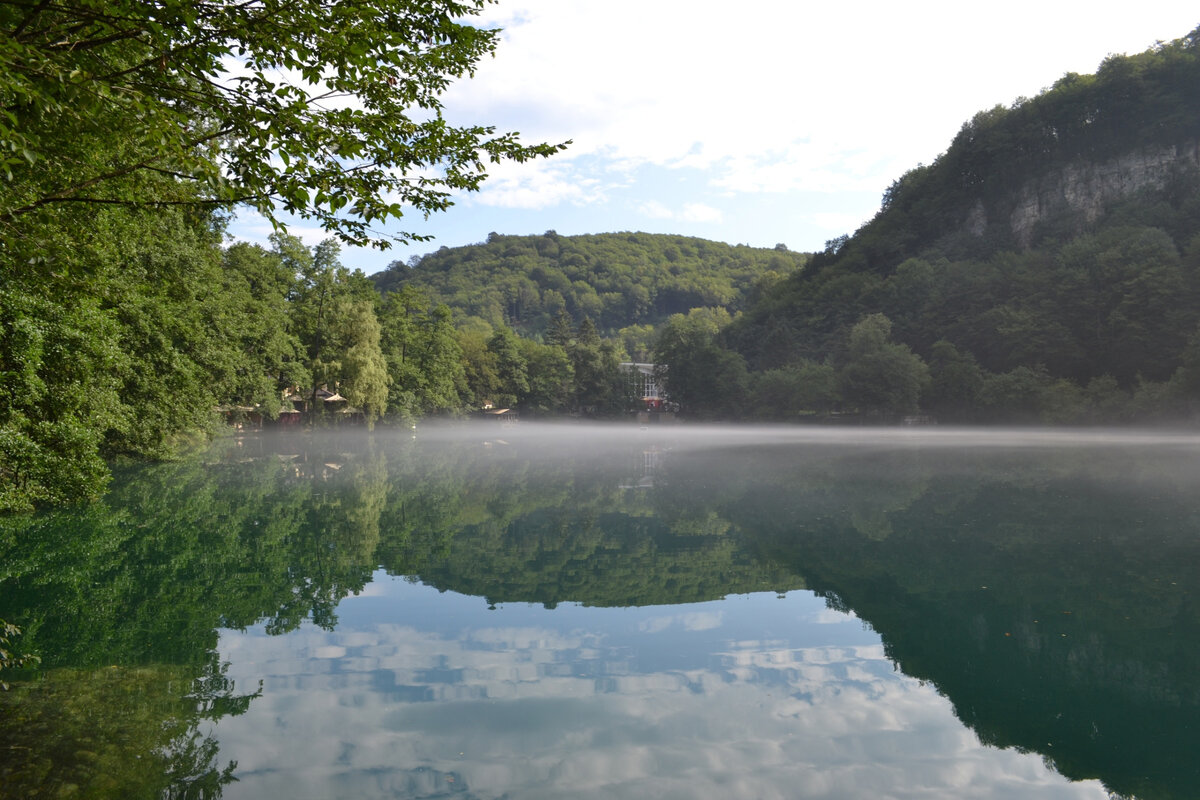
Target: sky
[756, 122]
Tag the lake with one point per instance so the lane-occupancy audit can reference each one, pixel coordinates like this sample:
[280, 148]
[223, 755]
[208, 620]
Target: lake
[480, 611]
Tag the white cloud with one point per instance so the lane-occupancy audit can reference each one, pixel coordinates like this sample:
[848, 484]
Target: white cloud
[688, 621]
[777, 96]
[251, 226]
[530, 193]
[699, 212]
[835, 222]
[827, 616]
[537, 185]
[690, 212]
[656, 210]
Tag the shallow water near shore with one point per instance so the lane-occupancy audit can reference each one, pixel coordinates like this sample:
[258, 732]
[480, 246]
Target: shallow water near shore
[482, 611]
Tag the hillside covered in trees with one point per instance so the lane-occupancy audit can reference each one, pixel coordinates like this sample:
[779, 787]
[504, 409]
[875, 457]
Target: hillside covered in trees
[1046, 267]
[618, 280]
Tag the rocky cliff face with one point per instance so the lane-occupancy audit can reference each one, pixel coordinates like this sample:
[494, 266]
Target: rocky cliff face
[1085, 190]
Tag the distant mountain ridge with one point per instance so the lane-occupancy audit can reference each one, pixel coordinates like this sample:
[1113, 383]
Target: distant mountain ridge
[615, 279]
[1045, 267]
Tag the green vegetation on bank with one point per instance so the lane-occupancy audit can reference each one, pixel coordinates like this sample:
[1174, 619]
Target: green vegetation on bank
[177, 333]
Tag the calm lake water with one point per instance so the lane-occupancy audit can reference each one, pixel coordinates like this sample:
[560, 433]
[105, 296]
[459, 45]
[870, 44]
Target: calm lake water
[614, 612]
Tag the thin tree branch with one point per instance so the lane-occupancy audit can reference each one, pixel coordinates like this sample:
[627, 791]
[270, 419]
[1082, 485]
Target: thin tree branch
[90, 44]
[112, 201]
[172, 173]
[69, 193]
[33, 12]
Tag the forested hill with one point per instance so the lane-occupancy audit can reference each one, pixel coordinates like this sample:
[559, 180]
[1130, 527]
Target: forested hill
[615, 279]
[1046, 266]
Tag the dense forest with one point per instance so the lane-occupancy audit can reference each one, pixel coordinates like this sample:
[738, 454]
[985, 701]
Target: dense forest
[183, 334]
[626, 283]
[1046, 267]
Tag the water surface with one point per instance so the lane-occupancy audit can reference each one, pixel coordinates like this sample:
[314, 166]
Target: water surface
[617, 612]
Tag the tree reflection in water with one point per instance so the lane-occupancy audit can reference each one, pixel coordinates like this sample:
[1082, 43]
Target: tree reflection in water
[1049, 593]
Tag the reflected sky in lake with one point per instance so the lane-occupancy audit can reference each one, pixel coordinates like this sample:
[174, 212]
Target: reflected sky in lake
[614, 611]
[426, 694]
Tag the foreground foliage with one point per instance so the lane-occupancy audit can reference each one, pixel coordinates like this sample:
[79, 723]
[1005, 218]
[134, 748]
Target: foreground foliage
[327, 110]
[127, 131]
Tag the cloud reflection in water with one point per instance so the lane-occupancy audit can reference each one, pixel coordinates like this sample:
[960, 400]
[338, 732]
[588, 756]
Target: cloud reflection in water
[590, 703]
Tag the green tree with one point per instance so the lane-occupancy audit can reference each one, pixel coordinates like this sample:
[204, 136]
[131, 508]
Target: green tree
[364, 376]
[325, 295]
[560, 331]
[177, 362]
[481, 379]
[1022, 394]
[956, 379]
[788, 392]
[313, 301]
[511, 368]
[586, 334]
[1129, 304]
[701, 376]
[102, 99]
[441, 362]
[10, 658]
[399, 317]
[880, 376]
[120, 332]
[1184, 385]
[424, 359]
[254, 312]
[550, 377]
[637, 340]
[599, 388]
[52, 434]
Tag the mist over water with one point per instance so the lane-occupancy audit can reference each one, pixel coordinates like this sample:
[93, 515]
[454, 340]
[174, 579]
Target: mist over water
[697, 436]
[568, 609]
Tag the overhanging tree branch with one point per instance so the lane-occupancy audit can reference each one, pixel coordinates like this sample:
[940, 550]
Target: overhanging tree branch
[131, 77]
